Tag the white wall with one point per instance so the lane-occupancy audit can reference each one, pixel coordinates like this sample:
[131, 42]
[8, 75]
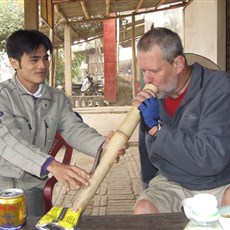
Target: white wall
[205, 30]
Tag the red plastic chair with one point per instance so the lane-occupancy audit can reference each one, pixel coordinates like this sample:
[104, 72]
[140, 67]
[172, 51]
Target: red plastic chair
[59, 142]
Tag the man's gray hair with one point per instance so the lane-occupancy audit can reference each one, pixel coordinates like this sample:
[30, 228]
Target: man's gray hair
[168, 41]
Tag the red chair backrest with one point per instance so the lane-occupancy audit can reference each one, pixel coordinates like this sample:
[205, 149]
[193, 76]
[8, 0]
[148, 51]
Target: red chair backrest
[59, 143]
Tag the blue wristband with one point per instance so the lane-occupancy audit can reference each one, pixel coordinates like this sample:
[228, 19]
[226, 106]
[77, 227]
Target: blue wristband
[45, 165]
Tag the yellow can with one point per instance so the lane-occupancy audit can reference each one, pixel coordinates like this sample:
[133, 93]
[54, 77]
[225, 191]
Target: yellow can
[12, 209]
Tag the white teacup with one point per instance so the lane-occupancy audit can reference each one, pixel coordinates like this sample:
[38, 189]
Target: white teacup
[202, 208]
[225, 217]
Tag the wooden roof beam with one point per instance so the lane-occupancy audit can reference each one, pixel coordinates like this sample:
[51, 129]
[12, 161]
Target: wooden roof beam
[182, 4]
[84, 9]
[63, 1]
[139, 5]
[159, 4]
[107, 8]
[60, 13]
[45, 29]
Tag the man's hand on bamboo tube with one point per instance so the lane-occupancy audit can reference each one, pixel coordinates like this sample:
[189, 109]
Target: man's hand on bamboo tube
[121, 151]
[147, 103]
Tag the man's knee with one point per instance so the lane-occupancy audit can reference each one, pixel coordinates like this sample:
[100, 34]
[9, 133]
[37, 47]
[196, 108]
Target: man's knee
[226, 197]
[145, 207]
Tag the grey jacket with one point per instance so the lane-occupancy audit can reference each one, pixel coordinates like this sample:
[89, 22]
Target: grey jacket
[27, 130]
[193, 147]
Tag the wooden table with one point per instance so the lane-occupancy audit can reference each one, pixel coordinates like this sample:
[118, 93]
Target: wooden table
[172, 221]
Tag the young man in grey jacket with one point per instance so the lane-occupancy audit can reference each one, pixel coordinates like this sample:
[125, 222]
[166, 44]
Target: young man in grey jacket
[185, 126]
[30, 114]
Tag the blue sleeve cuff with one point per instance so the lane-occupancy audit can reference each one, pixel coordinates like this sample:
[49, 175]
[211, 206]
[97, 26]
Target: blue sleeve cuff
[45, 165]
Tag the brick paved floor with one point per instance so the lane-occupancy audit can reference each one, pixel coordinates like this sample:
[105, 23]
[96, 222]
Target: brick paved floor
[120, 188]
[118, 191]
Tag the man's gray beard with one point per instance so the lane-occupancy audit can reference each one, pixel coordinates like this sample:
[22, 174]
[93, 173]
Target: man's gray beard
[168, 90]
[162, 94]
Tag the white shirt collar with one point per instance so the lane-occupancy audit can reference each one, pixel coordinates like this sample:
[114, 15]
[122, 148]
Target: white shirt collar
[37, 94]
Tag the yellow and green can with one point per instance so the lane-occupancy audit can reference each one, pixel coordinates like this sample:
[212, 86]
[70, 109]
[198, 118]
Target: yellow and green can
[12, 209]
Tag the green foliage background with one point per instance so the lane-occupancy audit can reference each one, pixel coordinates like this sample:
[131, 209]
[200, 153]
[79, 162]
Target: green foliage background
[76, 70]
[12, 19]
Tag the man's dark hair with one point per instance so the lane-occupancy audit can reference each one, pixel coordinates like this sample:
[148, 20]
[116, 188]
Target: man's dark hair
[26, 41]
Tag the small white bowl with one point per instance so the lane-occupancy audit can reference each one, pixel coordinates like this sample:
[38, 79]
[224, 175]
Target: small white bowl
[225, 217]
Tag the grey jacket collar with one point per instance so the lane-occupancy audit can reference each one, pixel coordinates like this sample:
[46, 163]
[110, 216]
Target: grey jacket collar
[45, 93]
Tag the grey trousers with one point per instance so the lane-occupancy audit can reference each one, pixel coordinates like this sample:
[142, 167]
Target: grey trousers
[35, 203]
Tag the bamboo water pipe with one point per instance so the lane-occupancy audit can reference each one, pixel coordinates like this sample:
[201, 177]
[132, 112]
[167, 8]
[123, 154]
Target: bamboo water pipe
[109, 154]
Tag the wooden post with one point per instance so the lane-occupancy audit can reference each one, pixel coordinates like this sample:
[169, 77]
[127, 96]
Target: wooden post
[55, 66]
[134, 65]
[31, 15]
[68, 63]
[51, 73]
